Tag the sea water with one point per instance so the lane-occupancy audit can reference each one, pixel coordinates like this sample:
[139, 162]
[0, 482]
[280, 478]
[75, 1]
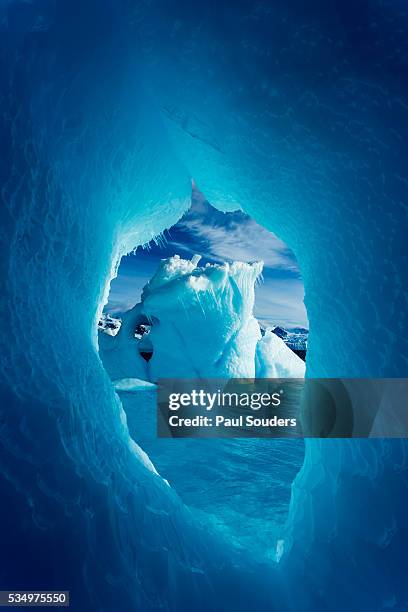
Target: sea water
[240, 487]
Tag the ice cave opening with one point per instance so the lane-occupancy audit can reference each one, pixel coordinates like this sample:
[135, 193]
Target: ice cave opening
[109, 110]
[234, 309]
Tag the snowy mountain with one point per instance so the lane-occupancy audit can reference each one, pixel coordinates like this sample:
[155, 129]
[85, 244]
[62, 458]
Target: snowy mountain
[281, 332]
[295, 338]
[108, 324]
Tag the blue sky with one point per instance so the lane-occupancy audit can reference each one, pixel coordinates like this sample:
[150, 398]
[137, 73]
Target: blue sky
[220, 237]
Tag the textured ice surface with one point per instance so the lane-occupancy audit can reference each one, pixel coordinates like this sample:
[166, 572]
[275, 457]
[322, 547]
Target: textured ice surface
[120, 354]
[298, 116]
[205, 323]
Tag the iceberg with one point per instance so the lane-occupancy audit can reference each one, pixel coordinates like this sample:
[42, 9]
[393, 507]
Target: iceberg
[206, 326]
[274, 359]
[132, 384]
[202, 326]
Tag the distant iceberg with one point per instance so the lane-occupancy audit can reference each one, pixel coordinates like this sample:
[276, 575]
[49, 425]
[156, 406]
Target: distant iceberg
[274, 359]
[132, 384]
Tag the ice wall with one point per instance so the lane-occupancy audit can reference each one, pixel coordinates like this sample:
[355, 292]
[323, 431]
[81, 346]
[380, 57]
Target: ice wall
[87, 173]
[300, 117]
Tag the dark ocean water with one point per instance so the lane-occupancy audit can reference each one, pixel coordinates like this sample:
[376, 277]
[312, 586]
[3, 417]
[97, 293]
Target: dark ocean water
[241, 487]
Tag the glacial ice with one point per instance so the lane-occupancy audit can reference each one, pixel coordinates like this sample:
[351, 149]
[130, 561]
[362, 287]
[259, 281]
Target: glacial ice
[296, 116]
[204, 327]
[274, 359]
[119, 353]
[132, 384]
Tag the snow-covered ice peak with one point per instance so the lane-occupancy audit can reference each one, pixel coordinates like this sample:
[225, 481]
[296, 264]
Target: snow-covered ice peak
[170, 269]
[208, 277]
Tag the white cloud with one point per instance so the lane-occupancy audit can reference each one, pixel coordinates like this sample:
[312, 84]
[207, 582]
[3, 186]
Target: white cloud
[241, 240]
[280, 302]
[223, 237]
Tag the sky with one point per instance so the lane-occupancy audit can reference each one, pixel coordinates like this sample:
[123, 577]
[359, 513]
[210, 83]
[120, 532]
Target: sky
[219, 237]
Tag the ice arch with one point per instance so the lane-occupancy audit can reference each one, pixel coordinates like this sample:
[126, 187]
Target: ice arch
[296, 117]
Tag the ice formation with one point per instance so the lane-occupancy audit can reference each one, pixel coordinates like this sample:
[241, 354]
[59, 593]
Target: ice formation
[274, 359]
[120, 354]
[132, 384]
[297, 117]
[204, 327]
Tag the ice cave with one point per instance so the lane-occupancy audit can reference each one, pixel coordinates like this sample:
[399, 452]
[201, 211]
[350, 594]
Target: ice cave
[298, 117]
